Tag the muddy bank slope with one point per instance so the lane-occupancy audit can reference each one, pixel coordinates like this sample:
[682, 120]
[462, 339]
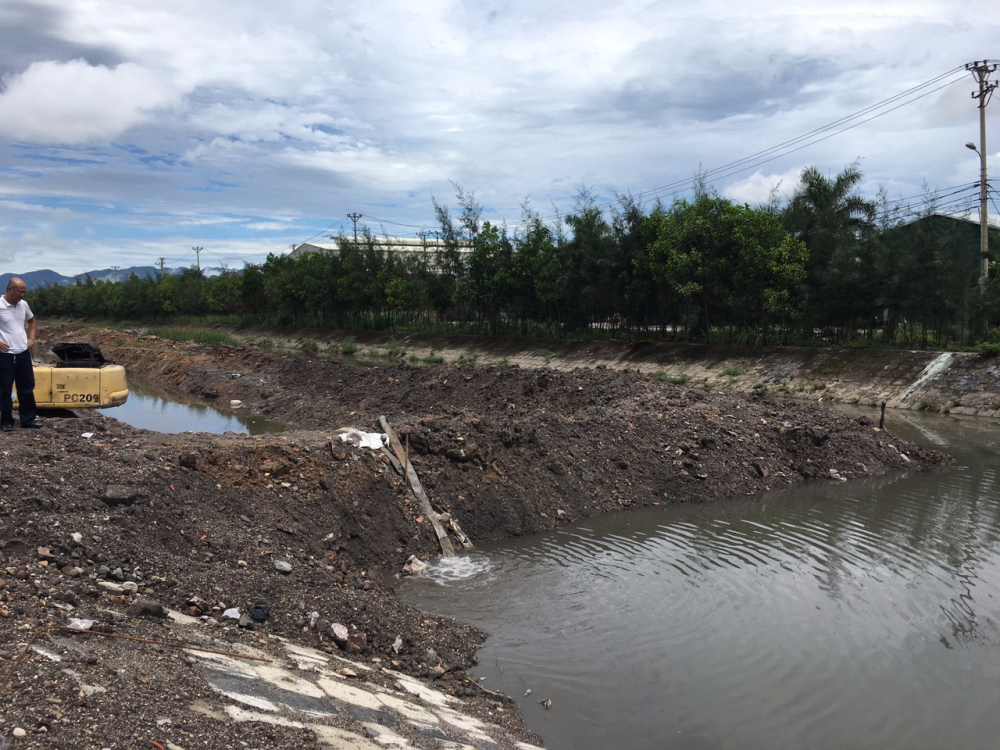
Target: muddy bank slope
[955, 382]
[102, 521]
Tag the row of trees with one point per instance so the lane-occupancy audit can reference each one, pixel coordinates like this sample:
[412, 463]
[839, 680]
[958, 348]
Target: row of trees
[828, 264]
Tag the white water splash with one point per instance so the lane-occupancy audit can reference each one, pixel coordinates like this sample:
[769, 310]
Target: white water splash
[936, 366]
[446, 570]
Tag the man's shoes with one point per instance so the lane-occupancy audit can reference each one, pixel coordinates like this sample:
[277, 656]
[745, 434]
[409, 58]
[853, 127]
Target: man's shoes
[7, 427]
[34, 424]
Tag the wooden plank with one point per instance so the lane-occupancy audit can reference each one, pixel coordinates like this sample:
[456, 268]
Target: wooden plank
[447, 549]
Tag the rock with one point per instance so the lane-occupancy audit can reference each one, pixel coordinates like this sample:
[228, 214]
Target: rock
[326, 482]
[193, 461]
[397, 644]
[130, 587]
[19, 732]
[357, 642]
[259, 612]
[413, 565]
[232, 613]
[147, 608]
[283, 566]
[119, 494]
[246, 622]
[339, 633]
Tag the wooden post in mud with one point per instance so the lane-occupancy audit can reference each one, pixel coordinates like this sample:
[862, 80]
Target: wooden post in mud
[447, 549]
[881, 421]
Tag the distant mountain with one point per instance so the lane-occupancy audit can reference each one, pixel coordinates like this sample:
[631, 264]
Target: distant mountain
[46, 277]
[35, 279]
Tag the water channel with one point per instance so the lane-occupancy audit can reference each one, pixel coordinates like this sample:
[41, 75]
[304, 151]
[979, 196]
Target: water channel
[830, 615]
[153, 408]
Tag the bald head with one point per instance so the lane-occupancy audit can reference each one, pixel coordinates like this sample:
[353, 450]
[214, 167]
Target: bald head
[16, 289]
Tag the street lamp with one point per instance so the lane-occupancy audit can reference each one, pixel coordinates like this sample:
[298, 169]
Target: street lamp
[984, 227]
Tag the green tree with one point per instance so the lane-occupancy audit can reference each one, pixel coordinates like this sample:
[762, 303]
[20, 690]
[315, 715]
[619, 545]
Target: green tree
[838, 227]
[734, 259]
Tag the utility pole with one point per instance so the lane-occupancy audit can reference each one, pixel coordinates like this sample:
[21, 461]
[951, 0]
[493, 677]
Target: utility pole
[114, 273]
[197, 252]
[355, 218]
[981, 72]
[161, 268]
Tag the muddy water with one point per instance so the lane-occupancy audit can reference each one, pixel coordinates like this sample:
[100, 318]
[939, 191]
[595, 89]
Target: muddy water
[153, 408]
[864, 614]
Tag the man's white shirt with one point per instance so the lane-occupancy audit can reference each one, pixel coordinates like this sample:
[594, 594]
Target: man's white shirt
[12, 320]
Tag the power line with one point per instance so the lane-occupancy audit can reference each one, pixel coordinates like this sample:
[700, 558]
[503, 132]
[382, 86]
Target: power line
[936, 194]
[790, 146]
[800, 142]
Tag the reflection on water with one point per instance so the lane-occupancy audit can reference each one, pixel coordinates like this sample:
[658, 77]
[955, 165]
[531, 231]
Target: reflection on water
[152, 408]
[829, 615]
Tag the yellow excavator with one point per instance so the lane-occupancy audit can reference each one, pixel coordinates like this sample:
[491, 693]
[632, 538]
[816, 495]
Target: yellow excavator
[78, 378]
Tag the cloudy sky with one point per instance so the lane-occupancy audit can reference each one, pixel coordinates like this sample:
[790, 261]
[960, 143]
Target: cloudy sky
[135, 131]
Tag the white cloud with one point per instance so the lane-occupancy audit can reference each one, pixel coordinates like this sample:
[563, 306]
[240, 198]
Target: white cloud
[53, 102]
[267, 226]
[756, 189]
[50, 213]
[205, 122]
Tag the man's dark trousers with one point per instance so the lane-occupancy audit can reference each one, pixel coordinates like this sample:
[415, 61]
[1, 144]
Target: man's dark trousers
[16, 369]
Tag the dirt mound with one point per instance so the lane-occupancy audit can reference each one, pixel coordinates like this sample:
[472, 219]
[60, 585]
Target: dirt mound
[316, 530]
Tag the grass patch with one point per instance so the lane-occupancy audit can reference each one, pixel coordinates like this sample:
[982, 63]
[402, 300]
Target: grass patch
[433, 359]
[349, 348]
[467, 358]
[988, 349]
[502, 362]
[731, 372]
[678, 379]
[546, 355]
[928, 404]
[308, 345]
[395, 351]
[196, 335]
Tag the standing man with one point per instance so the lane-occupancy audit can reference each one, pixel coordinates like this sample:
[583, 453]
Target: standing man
[15, 357]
